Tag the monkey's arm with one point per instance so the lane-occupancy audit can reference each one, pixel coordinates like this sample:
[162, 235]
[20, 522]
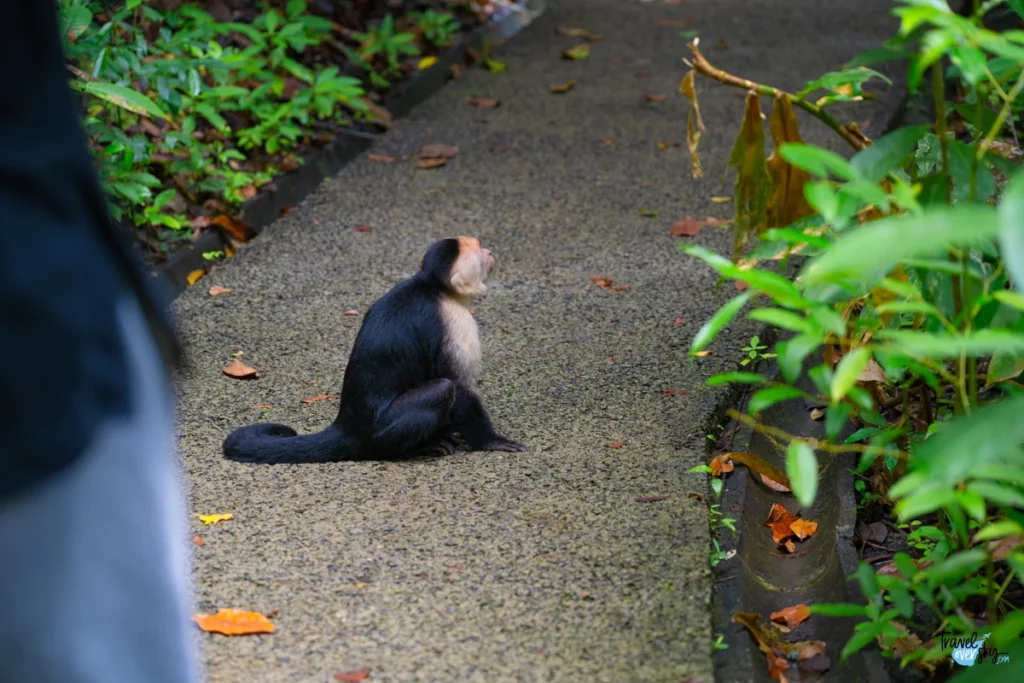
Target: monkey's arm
[470, 418]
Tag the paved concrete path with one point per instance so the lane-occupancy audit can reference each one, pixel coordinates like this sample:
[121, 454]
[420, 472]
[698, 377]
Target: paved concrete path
[500, 567]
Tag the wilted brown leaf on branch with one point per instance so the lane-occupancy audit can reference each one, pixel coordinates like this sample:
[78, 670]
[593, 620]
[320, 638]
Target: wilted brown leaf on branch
[774, 485]
[786, 203]
[233, 622]
[753, 184]
[761, 466]
[694, 122]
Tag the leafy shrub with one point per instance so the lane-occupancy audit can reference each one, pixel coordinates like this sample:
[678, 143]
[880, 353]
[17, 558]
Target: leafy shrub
[911, 290]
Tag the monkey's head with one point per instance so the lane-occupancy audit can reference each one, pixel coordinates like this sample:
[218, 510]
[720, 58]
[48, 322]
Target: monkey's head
[460, 265]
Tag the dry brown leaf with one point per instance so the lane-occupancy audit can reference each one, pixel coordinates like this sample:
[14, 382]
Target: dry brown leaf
[262, 406]
[1002, 548]
[787, 203]
[199, 221]
[872, 372]
[686, 227]
[753, 184]
[484, 103]
[608, 142]
[803, 528]
[774, 485]
[789, 546]
[654, 98]
[585, 595]
[817, 414]
[362, 227]
[248, 192]
[351, 312]
[233, 622]
[240, 370]
[876, 532]
[321, 397]
[721, 463]
[907, 643]
[559, 88]
[721, 44]
[579, 33]
[217, 290]
[238, 229]
[431, 163]
[354, 676]
[776, 665]
[457, 70]
[792, 616]
[198, 540]
[674, 392]
[606, 283]
[672, 23]
[760, 465]
[694, 122]
[740, 285]
[380, 158]
[436, 151]
[285, 210]
[650, 499]
[616, 444]
[679, 321]
[195, 276]
[779, 521]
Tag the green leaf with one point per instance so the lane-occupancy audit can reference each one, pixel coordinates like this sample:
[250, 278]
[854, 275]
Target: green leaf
[955, 567]
[879, 246]
[837, 609]
[719, 320]
[766, 398]
[973, 504]
[1011, 229]
[578, 52]
[792, 352]
[961, 160]
[737, 377]
[1004, 366]
[120, 96]
[981, 343]
[1000, 529]
[836, 417]
[887, 153]
[816, 160]
[778, 317]
[802, 470]
[215, 119]
[75, 19]
[861, 639]
[1010, 299]
[861, 434]
[909, 307]
[997, 493]
[163, 198]
[195, 84]
[847, 372]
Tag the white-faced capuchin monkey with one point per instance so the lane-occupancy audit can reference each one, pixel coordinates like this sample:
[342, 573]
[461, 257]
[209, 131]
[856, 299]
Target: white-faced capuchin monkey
[411, 381]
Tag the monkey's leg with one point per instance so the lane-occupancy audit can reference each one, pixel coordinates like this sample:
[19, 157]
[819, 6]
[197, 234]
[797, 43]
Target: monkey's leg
[470, 418]
[414, 419]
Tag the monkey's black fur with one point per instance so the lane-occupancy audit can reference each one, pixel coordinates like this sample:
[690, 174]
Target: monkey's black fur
[402, 393]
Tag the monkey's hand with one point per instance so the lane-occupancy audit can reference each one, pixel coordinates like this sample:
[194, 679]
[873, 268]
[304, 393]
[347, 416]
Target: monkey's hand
[500, 443]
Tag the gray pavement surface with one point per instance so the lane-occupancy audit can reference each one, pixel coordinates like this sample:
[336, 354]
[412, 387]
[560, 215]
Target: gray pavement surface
[492, 566]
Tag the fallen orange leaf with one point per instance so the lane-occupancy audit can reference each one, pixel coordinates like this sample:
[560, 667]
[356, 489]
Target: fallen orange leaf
[240, 230]
[774, 485]
[560, 88]
[198, 540]
[617, 444]
[759, 465]
[484, 103]
[233, 622]
[431, 163]
[248, 192]
[262, 406]
[679, 321]
[380, 158]
[438, 151]
[363, 228]
[687, 227]
[354, 676]
[740, 285]
[240, 370]
[217, 290]
[789, 546]
[803, 528]
[321, 397]
[776, 665]
[585, 595]
[779, 521]
[720, 464]
[195, 276]
[792, 616]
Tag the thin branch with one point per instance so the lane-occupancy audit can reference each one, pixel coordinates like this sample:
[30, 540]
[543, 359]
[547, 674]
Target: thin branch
[855, 139]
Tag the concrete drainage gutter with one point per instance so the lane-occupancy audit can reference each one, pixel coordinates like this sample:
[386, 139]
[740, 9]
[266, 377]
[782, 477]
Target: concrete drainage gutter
[291, 188]
[762, 579]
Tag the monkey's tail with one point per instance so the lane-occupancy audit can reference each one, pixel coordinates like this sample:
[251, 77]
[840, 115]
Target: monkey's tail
[277, 443]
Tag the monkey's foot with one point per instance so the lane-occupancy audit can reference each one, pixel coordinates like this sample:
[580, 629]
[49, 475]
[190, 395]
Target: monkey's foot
[441, 447]
[507, 445]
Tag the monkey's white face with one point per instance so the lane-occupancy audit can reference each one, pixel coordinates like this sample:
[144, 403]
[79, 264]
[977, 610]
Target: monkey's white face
[471, 268]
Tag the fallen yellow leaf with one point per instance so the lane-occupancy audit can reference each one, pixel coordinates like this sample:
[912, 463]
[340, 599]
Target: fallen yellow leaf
[195, 276]
[233, 622]
[426, 63]
[213, 519]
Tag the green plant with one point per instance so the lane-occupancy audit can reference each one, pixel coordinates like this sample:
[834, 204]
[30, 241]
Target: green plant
[387, 42]
[719, 643]
[754, 351]
[438, 27]
[907, 316]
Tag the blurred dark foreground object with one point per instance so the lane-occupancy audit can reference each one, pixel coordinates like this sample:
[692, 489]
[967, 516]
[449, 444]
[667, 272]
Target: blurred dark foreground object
[95, 569]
